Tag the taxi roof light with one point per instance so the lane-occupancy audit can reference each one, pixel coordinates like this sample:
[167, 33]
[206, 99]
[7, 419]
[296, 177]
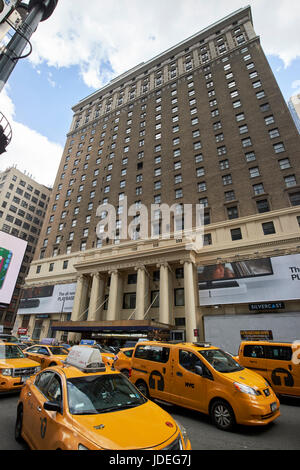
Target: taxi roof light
[86, 359]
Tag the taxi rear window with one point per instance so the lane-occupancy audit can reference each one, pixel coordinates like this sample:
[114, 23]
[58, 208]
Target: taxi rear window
[101, 394]
[152, 353]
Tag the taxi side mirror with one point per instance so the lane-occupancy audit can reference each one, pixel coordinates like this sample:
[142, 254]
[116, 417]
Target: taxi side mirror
[52, 406]
[199, 370]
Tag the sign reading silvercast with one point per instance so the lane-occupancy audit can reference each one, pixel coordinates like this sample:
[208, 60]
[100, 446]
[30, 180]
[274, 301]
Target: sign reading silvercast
[261, 280]
[187, 224]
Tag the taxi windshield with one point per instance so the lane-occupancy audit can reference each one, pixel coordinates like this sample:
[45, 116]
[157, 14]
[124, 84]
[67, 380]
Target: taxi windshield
[101, 394]
[221, 361]
[10, 351]
[58, 351]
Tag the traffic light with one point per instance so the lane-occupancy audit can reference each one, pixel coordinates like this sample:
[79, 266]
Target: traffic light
[3, 140]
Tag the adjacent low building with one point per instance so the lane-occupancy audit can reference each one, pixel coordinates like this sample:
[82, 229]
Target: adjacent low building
[23, 205]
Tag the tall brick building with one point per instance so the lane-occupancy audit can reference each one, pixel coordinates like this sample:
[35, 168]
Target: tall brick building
[203, 122]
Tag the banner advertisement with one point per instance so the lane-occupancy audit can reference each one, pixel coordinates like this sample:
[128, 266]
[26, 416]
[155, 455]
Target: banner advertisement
[47, 299]
[255, 280]
[12, 250]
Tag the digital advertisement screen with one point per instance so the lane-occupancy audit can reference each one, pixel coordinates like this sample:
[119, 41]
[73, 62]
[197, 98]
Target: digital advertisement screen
[255, 280]
[12, 251]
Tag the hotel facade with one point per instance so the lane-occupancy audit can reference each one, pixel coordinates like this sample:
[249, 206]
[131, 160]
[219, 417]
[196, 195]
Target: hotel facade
[202, 123]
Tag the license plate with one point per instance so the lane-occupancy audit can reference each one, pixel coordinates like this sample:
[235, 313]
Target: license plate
[273, 406]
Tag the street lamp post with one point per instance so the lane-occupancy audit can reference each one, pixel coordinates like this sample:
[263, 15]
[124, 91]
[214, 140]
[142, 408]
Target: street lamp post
[39, 10]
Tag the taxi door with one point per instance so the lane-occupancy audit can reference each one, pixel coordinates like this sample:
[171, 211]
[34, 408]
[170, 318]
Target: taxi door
[188, 388]
[283, 372]
[35, 399]
[153, 365]
[47, 423]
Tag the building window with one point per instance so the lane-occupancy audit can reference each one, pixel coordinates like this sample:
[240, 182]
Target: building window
[290, 181]
[232, 212]
[274, 133]
[254, 172]
[236, 234]
[246, 142]
[229, 196]
[262, 205]
[224, 164]
[132, 279]
[179, 297]
[250, 156]
[201, 187]
[269, 120]
[258, 189]
[295, 199]
[129, 300]
[178, 193]
[207, 239]
[268, 228]
[227, 179]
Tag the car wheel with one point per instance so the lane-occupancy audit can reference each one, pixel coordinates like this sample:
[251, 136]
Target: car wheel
[19, 424]
[125, 372]
[142, 387]
[222, 415]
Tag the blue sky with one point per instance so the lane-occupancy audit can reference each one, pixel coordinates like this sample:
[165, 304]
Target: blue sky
[76, 51]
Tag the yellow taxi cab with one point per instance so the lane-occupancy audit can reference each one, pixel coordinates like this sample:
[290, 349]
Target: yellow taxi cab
[277, 362]
[46, 354]
[15, 368]
[122, 360]
[85, 405]
[203, 378]
[107, 356]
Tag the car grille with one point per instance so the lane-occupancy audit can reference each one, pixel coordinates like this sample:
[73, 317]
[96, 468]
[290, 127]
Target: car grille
[175, 445]
[24, 371]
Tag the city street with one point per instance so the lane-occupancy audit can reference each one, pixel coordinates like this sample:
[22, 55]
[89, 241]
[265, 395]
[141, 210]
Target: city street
[283, 434]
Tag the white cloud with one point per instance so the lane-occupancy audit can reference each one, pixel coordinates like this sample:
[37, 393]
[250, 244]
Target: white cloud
[29, 150]
[127, 32]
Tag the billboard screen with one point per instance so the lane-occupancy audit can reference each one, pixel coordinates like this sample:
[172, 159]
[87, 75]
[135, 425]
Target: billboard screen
[254, 280]
[12, 251]
[47, 299]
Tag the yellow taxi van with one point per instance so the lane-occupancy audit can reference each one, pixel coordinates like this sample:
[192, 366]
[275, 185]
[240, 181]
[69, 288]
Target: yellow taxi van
[15, 368]
[277, 362]
[122, 360]
[85, 405]
[203, 378]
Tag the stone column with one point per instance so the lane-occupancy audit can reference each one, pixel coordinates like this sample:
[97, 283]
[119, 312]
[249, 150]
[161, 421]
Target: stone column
[190, 301]
[114, 296]
[96, 298]
[80, 305]
[164, 300]
[142, 293]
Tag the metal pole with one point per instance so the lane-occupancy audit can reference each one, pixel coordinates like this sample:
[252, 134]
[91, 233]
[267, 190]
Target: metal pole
[17, 44]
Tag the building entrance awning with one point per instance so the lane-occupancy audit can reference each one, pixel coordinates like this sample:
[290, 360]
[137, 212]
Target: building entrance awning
[116, 326]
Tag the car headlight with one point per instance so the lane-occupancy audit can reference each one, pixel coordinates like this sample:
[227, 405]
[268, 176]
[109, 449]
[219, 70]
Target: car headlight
[82, 447]
[37, 369]
[183, 433]
[6, 371]
[246, 389]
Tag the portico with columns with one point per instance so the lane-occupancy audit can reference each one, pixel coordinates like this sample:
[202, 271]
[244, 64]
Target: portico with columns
[102, 285]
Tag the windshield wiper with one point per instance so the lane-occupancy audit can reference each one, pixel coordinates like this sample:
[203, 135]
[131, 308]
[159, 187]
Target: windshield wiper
[119, 407]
